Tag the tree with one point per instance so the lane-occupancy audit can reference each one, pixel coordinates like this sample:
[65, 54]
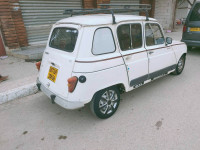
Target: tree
[190, 2]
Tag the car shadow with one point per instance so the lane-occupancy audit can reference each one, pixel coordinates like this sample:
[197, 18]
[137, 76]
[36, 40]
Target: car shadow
[194, 52]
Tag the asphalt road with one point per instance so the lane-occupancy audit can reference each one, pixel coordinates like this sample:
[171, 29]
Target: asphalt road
[161, 115]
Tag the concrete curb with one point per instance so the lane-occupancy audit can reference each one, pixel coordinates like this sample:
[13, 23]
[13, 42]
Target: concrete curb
[18, 93]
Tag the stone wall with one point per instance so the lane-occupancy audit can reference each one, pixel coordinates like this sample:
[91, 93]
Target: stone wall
[164, 13]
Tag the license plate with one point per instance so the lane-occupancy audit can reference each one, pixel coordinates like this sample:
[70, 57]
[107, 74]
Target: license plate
[52, 74]
[194, 29]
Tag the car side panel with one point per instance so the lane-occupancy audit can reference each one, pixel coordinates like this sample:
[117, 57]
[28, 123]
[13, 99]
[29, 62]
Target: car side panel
[179, 49]
[97, 81]
[90, 65]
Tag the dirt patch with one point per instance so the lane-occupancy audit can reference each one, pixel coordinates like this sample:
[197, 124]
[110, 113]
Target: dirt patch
[25, 132]
[42, 139]
[62, 137]
[158, 124]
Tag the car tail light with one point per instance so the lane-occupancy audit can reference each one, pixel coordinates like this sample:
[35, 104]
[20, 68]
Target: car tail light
[184, 28]
[38, 64]
[72, 83]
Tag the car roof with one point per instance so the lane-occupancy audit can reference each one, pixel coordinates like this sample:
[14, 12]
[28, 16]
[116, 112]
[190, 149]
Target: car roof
[99, 19]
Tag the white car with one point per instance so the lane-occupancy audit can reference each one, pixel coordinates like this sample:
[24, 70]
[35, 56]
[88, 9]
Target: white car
[93, 59]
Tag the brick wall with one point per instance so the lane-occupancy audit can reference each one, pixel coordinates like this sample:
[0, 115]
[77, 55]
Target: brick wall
[12, 26]
[152, 3]
[89, 3]
[94, 3]
[164, 13]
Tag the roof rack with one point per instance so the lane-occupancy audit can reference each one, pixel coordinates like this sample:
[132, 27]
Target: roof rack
[105, 9]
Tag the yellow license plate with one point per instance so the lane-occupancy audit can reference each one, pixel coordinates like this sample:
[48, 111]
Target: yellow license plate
[194, 29]
[52, 74]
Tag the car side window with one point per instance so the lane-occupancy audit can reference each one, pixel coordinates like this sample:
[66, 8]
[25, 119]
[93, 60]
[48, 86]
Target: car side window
[103, 41]
[124, 37]
[153, 34]
[195, 15]
[130, 36]
[136, 35]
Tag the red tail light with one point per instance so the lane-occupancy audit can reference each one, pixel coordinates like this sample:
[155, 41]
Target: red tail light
[38, 65]
[184, 28]
[72, 83]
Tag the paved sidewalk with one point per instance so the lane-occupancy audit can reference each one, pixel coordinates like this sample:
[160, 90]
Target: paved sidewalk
[21, 80]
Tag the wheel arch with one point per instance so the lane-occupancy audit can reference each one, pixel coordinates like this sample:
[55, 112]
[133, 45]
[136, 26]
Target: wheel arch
[179, 51]
[120, 87]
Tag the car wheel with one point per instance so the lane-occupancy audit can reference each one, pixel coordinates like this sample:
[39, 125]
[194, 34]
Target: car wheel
[105, 102]
[189, 48]
[180, 65]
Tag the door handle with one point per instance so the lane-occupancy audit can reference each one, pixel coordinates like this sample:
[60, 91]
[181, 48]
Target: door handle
[151, 52]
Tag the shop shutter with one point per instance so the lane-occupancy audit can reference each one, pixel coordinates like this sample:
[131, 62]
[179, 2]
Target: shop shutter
[126, 2]
[39, 15]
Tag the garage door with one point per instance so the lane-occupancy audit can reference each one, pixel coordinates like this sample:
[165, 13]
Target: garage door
[39, 15]
[126, 2]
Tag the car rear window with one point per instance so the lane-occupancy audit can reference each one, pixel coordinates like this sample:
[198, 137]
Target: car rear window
[195, 15]
[64, 39]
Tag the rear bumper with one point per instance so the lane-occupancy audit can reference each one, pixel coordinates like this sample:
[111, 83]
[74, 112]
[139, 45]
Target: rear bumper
[58, 100]
[191, 43]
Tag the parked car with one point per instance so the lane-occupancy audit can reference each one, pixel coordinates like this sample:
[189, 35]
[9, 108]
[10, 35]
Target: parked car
[191, 29]
[95, 58]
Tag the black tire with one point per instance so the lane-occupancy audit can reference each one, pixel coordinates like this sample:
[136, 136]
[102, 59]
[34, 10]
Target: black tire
[189, 48]
[105, 102]
[180, 65]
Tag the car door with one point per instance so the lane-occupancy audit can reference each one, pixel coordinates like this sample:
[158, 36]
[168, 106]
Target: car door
[130, 38]
[161, 57]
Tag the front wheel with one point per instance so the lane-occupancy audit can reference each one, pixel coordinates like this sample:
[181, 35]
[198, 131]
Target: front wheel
[180, 65]
[105, 102]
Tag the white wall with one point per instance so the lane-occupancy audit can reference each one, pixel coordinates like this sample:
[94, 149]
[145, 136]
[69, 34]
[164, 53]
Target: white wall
[164, 13]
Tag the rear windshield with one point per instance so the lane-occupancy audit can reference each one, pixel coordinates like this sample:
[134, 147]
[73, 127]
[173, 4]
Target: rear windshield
[195, 15]
[64, 39]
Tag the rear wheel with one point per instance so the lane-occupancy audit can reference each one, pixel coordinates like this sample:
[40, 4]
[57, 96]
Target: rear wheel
[105, 102]
[180, 65]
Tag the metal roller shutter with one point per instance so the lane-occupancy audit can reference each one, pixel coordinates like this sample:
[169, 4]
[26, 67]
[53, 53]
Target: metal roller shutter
[126, 2]
[39, 15]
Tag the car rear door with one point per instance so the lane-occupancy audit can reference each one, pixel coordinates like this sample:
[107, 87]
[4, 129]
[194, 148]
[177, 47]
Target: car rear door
[59, 58]
[130, 38]
[161, 57]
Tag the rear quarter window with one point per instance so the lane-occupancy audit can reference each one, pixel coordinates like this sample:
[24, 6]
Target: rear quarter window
[195, 14]
[103, 41]
[64, 39]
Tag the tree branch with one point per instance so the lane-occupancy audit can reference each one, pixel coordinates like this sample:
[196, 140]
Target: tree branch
[189, 2]
[194, 1]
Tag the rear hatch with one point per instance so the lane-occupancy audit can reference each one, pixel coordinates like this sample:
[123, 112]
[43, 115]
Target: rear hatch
[193, 24]
[59, 58]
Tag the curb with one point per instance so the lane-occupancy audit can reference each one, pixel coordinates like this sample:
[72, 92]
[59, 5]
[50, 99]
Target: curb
[18, 93]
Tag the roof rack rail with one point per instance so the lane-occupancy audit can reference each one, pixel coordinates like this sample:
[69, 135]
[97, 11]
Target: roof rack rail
[105, 9]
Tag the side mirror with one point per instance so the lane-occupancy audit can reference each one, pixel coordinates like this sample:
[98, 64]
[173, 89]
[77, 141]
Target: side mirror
[168, 40]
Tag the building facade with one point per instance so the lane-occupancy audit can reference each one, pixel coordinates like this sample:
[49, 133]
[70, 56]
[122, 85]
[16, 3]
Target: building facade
[28, 22]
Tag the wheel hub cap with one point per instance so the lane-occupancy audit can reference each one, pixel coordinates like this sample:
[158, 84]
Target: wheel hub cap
[108, 102]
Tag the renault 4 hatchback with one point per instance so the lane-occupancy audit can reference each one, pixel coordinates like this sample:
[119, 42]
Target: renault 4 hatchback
[191, 29]
[94, 58]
